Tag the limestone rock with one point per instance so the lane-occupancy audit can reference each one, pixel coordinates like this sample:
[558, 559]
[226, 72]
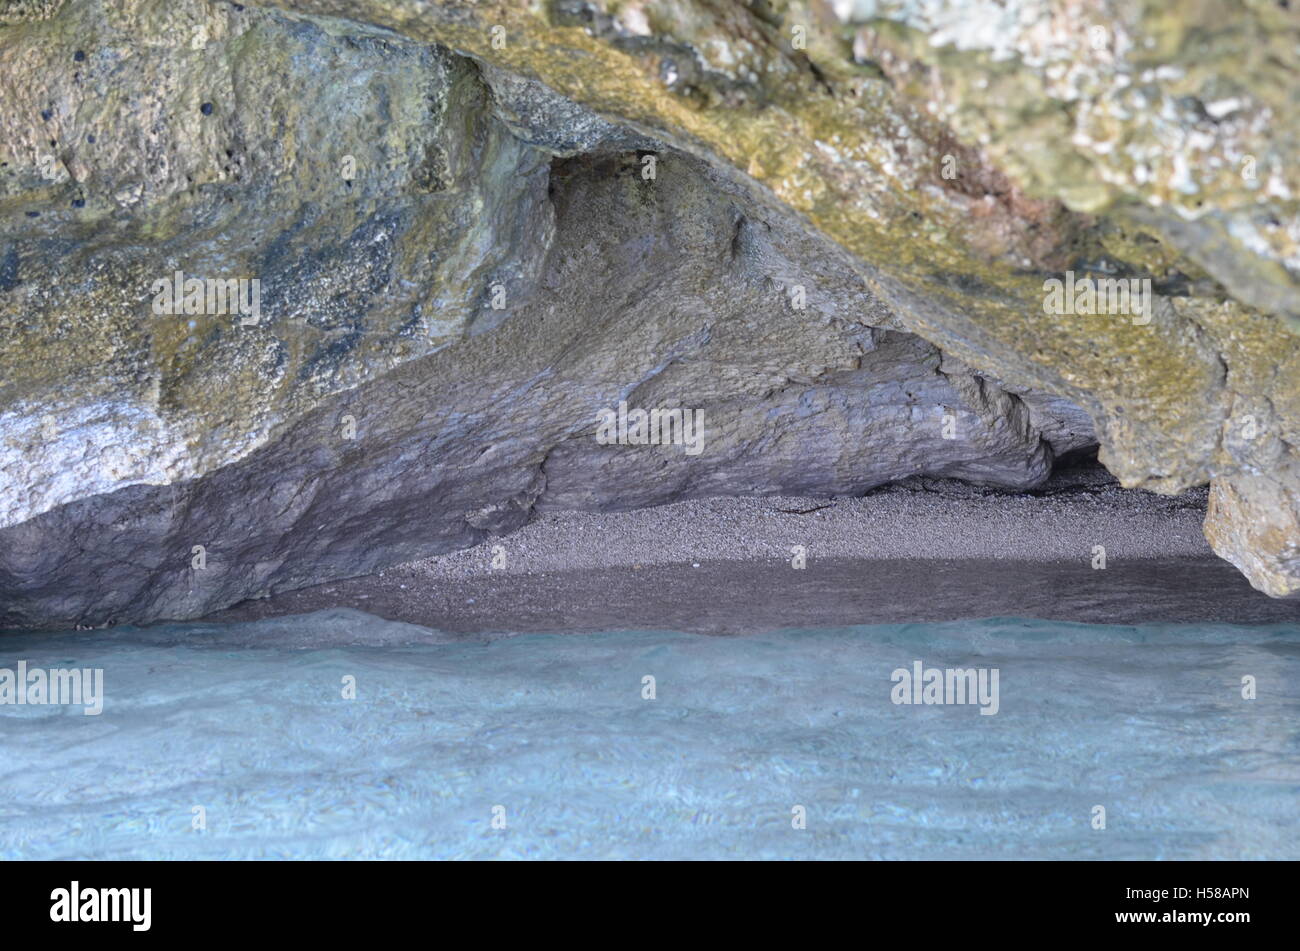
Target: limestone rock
[477, 225]
[671, 293]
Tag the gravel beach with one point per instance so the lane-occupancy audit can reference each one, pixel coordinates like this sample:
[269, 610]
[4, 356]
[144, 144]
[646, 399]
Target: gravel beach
[921, 550]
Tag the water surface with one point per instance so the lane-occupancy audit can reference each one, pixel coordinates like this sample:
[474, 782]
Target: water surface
[248, 722]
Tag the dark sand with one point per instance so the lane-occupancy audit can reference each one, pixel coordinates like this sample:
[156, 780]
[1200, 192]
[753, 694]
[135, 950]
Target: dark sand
[732, 597]
[924, 550]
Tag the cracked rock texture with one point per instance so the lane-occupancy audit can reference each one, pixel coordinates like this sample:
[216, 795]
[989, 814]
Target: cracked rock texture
[463, 259]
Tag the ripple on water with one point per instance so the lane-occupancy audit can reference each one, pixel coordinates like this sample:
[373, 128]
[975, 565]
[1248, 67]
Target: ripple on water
[1147, 721]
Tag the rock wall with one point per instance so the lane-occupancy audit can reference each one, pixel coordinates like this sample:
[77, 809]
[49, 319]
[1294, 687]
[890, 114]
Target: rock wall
[476, 227]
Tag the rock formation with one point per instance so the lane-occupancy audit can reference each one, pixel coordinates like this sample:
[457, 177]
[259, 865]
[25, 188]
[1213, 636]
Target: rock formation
[476, 227]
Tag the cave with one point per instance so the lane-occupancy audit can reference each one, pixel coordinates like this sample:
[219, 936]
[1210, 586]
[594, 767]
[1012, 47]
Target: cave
[648, 429]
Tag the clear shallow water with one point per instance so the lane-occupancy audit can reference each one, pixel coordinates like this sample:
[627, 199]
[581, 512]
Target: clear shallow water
[1147, 721]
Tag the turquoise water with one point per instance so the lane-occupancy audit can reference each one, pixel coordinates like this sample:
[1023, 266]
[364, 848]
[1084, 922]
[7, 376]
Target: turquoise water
[1148, 722]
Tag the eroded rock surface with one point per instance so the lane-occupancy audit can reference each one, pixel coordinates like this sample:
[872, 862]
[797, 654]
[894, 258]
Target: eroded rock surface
[840, 260]
[228, 143]
[656, 294]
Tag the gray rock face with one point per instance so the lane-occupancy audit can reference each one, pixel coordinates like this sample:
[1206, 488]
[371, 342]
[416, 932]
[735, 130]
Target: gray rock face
[672, 292]
[967, 151]
[362, 181]
[477, 227]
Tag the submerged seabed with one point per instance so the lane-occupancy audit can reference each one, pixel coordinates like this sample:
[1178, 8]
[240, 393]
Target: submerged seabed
[1147, 721]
